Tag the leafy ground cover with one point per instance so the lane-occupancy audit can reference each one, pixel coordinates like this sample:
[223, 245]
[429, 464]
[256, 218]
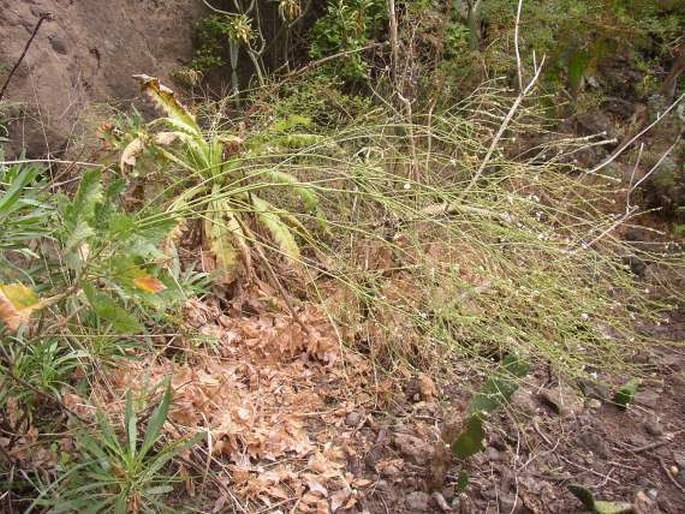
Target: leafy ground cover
[338, 302]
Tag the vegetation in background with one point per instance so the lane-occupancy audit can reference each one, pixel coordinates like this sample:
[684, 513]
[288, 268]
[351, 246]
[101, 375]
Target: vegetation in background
[428, 220]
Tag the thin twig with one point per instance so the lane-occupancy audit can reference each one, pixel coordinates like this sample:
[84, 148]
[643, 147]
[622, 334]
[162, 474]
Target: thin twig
[519, 65]
[588, 470]
[503, 127]
[668, 474]
[632, 175]
[658, 163]
[43, 17]
[324, 60]
[50, 161]
[637, 136]
[281, 290]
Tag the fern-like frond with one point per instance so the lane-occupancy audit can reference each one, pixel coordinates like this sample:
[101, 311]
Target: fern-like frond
[309, 198]
[226, 239]
[165, 98]
[281, 234]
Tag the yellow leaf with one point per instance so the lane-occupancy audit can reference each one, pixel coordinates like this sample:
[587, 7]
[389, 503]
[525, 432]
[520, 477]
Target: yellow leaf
[17, 302]
[149, 284]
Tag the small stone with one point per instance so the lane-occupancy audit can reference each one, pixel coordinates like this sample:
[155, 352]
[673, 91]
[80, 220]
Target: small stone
[417, 502]
[415, 449]
[596, 444]
[508, 502]
[677, 379]
[427, 388]
[353, 419]
[654, 427]
[440, 500]
[643, 504]
[523, 401]
[57, 44]
[564, 400]
[594, 390]
[489, 493]
[649, 399]
[594, 404]
[680, 476]
[492, 455]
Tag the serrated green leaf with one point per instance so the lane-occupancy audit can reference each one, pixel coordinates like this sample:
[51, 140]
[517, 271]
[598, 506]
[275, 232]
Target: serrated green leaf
[89, 193]
[626, 395]
[281, 234]
[309, 199]
[81, 233]
[166, 100]
[108, 309]
[471, 440]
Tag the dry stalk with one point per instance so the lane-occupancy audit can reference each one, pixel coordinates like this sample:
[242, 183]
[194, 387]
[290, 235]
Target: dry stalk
[503, 127]
[519, 66]
[637, 136]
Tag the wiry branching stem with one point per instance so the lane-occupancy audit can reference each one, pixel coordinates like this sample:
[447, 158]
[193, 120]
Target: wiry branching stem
[637, 136]
[503, 127]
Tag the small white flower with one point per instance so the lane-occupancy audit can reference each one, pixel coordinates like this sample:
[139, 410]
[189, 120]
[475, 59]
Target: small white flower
[585, 316]
[407, 187]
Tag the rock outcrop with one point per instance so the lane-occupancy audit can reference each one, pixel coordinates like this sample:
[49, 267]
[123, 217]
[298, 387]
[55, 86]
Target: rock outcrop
[85, 56]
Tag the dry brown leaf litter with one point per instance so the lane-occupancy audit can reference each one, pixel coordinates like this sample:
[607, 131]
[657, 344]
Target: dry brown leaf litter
[270, 402]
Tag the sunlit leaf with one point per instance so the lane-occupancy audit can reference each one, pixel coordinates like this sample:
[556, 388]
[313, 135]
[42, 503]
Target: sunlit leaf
[279, 231]
[302, 190]
[225, 238]
[17, 302]
[149, 284]
[131, 153]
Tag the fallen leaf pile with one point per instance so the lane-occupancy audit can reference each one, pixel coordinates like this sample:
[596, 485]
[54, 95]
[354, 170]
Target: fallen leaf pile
[260, 394]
